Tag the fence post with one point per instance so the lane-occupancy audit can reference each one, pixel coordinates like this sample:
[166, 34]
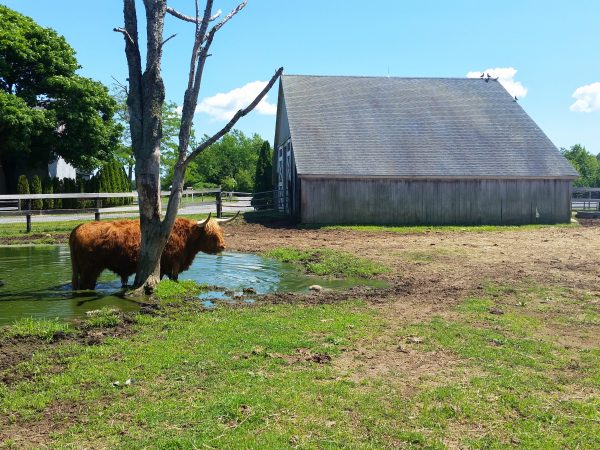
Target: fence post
[219, 205]
[28, 216]
[97, 212]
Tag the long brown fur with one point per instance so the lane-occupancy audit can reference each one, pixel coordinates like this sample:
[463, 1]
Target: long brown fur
[96, 246]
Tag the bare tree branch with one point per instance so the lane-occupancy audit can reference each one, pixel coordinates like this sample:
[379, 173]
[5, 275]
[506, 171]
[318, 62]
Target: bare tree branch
[134, 65]
[241, 113]
[195, 20]
[168, 39]
[125, 33]
[181, 16]
[121, 86]
[226, 19]
[215, 16]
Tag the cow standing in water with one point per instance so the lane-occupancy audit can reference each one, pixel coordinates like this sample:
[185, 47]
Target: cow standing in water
[115, 246]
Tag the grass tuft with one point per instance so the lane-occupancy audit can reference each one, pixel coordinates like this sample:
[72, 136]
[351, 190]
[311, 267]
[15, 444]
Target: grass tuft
[169, 290]
[42, 328]
[103, 318]
[326, 262]
[417, 229]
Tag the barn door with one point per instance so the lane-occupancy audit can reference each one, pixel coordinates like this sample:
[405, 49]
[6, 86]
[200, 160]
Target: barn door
[284, 176]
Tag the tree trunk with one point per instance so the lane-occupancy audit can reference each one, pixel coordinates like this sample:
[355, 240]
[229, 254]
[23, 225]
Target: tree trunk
[152, 237]
[144, 101]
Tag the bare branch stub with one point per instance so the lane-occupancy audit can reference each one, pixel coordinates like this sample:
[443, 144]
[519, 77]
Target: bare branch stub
[125, 33]
[241, 113]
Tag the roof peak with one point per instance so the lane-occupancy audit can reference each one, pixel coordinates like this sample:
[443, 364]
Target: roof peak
[378, 77]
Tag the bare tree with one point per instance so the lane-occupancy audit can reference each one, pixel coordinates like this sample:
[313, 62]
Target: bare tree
[145, 99]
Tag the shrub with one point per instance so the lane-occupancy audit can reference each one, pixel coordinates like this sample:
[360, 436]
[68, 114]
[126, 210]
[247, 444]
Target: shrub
[36, 188]
[229, 184]
[48, 188]
[22, 185]
[58, 188]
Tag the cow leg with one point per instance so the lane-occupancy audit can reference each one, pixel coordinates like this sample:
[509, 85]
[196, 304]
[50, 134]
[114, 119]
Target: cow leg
[88, 278]
[74, 270]
[124, 280]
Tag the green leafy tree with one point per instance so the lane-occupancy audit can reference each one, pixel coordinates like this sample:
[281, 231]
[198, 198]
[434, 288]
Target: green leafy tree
[169, 144]
[48, 188]
[36, 188]
[263, 178]
[234, 156]
[585, 163]
[46, 109]
[229, 184]
[124, 151]
[264, 167]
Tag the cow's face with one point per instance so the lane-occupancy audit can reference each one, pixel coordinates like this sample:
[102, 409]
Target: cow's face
[211, 238]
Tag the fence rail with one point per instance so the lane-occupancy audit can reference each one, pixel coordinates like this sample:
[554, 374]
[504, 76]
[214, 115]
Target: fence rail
[21, 204]
[585, 199]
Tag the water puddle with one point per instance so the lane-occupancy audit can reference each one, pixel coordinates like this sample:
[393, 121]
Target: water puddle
[37, 282]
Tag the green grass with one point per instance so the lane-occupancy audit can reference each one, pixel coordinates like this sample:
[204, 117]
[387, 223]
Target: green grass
[416, 229]
[228, 378]
[516, 386]
[326, 262]
[42, 328]
[103, 318]
[172, 291]
[245, 378]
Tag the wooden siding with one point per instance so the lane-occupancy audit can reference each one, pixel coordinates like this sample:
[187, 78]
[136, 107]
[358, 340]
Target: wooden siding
[435, 202]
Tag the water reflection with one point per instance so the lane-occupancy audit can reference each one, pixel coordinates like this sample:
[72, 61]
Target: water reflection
[38, 282]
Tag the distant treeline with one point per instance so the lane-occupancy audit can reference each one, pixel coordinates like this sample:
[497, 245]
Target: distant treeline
[586, 163]
[110, 178]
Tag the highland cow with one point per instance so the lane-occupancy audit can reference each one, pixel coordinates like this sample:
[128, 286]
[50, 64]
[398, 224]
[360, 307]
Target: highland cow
[96, 246]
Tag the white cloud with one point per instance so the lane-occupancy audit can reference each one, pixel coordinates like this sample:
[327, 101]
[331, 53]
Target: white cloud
[506, 76]
[224, 105]
[587, 98]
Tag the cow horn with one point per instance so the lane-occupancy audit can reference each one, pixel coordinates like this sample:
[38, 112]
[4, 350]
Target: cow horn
[202, 223]
[222, 221]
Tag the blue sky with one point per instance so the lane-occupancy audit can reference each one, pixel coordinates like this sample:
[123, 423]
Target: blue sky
[548, 51]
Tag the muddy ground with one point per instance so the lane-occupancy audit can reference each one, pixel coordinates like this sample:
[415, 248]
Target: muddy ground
[433, 271]
[430, 271]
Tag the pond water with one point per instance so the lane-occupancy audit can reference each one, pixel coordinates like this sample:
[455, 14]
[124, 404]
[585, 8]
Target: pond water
[37, 282]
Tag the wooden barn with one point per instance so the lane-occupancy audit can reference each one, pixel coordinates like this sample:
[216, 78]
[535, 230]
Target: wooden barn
[414, 151]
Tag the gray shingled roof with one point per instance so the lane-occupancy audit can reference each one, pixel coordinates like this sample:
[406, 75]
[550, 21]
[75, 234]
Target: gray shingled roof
[414, 127]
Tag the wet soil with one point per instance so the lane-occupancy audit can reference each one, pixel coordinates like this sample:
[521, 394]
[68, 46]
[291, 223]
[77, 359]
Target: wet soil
[430, 271]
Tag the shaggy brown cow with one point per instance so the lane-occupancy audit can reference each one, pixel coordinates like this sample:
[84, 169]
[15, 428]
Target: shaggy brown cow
[115, 246]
